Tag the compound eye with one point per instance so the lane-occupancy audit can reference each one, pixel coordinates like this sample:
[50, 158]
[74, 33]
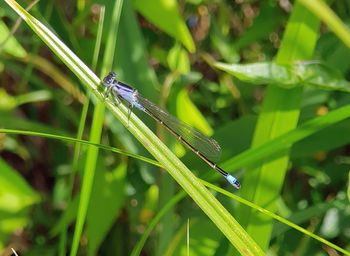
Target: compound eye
[109, 78]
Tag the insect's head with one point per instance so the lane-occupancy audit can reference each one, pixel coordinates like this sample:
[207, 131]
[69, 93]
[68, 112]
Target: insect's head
[109, 79]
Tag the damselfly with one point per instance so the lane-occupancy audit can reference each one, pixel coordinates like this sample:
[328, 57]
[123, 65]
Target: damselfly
[206, 148]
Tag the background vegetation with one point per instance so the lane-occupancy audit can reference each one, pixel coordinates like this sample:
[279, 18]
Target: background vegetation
[266, 79]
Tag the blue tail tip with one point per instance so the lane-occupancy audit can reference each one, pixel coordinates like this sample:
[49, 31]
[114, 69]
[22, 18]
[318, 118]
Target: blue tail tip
[233, 181]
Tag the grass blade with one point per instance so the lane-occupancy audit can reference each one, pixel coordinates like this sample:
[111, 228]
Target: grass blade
[324, 13]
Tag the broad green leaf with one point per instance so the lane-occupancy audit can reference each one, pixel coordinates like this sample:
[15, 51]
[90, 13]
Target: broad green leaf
[165, 15]
[303, 73]
[7, 101]
[9, 44]
[178, 60]
[261, 73]
[190, 114]
[15, 194]
[16, 197]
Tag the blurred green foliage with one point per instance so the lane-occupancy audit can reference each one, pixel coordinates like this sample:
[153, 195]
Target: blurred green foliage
[208, 63]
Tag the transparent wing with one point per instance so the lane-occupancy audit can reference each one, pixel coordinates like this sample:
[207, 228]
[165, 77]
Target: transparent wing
[207, 146]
